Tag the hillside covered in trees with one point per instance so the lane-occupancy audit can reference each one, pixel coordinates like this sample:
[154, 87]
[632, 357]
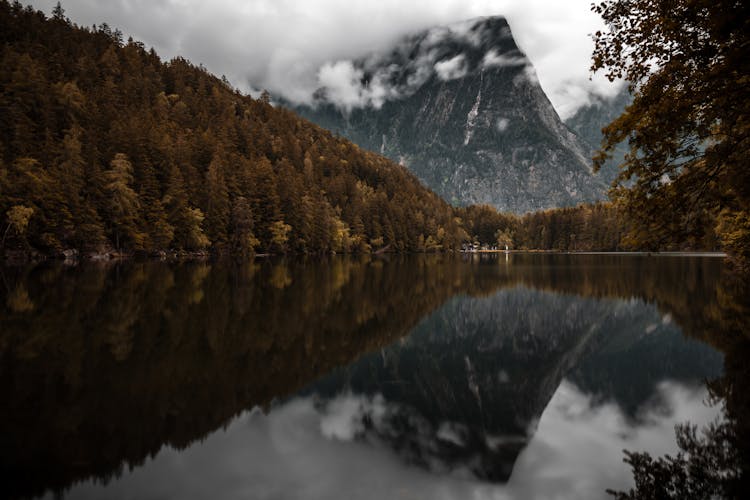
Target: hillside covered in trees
[104, 146]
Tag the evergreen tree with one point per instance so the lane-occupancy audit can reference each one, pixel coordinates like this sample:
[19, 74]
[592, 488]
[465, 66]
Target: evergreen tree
[217, 213]
[123, 204]
[243, 240]
[159, 231]
[178, 213]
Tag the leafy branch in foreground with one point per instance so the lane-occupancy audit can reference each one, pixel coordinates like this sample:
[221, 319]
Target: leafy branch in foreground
[688, 128]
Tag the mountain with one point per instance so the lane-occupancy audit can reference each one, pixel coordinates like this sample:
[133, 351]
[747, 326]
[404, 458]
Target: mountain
[104, 147]
[589, 120]
[461, 107]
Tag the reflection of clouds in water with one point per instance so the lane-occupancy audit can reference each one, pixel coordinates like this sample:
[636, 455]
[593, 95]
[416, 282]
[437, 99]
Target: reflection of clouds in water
[452, 432]
[576, 439]
[343, 418]
[304, 450]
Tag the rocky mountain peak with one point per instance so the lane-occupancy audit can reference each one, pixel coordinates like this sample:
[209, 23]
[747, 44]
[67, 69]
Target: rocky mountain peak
[460, 105]
[477, 44]
[441, 53]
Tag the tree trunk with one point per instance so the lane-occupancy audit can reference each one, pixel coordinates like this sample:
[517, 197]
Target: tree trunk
[2, 243]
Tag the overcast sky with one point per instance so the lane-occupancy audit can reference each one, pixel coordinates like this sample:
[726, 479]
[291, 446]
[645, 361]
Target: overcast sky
[282, 44]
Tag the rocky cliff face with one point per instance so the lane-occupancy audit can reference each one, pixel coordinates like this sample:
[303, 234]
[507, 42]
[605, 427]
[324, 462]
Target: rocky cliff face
[462, 108]
[589, 120]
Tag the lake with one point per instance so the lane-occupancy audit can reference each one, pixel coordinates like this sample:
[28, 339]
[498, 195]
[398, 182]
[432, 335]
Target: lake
[436, 377]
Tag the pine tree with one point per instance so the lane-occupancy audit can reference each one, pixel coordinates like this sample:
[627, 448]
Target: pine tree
[123, 204]
[243, 240]
[217, 213]
[159, 231]
[264, 200]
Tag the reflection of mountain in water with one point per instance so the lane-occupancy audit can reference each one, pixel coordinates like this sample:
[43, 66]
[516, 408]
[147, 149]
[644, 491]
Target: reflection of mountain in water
[100, 366]
[467, 387]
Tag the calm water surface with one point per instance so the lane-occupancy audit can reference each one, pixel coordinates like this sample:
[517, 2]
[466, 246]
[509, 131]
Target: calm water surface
[518, 376]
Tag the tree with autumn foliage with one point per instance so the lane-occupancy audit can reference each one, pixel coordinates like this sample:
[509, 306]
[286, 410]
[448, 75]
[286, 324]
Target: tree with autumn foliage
[111, 148]
[688, 127]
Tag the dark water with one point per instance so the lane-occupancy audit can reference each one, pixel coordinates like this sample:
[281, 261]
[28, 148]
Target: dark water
[519, 376]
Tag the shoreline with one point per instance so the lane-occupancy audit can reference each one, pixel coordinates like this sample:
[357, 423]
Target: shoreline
[114, 257]
[687, 253]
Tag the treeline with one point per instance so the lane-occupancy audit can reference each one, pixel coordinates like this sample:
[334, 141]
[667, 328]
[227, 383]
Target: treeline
[592, 227]
[105, 147]
[601, 227]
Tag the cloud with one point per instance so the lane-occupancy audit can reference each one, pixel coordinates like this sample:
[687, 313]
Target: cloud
[502, 126]
[283, 45]
[573, 421]
[493, 59]
[343, 417]
[458, 29]
[343, 83]
[450, 69]
[452, 432]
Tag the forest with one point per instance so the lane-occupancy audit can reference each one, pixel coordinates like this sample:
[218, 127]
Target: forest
[103, 145]
[107, 149]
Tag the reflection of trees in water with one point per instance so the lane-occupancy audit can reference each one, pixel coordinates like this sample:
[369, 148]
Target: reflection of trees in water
[114, 361]
[713, 462]
[707, 466]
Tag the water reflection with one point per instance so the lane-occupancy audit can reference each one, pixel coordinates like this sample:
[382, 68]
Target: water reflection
[104, 365]
[302, 450]
[466, 389]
